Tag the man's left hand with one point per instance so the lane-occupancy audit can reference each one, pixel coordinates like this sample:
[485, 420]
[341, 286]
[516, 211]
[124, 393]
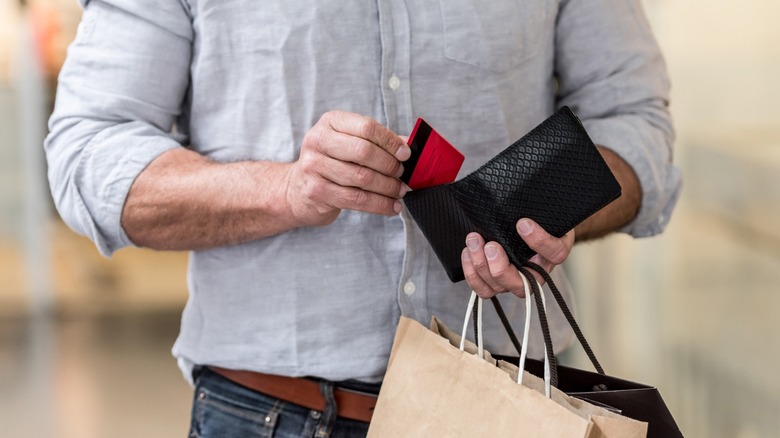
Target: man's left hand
[488, 270]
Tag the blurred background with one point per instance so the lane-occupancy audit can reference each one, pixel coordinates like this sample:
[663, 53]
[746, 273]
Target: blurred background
[695, 311]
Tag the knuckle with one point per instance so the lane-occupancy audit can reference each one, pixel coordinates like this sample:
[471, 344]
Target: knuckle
[367, 127]
[330, 116]
[364, 176]
[559, 256]
[392, 168]
[472, 278]
[555, 251]
[499, 270]
[361, 150]
[386, 206]
[360, 198]
[325, 122]
[317, 138]
[479, 264]
[485, 293]
[535, 240]
[309, 165]
[304, 171]
[306, 160]
[379, 204]
[394, 187]
[313, 189]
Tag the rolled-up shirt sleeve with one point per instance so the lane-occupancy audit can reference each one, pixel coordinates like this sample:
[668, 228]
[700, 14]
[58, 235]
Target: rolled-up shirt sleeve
[612, 74]
[120, 91]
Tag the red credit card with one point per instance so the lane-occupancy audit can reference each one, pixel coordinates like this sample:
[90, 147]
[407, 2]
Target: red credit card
[434, 160]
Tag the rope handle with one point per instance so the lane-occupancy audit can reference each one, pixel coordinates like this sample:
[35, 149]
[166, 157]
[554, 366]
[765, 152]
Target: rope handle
[536, 290]
[541, 310]
[568, 314]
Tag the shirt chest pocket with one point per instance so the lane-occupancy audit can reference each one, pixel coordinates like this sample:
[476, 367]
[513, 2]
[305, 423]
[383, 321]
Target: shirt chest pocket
[495, 35]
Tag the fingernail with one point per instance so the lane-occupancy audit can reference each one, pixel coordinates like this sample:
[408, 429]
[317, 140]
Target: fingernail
[403, 190]
[400, 171]
[491, 251]
[397, 206]
[466, 256]
[403, 153]
[524, 227]
[472, 243]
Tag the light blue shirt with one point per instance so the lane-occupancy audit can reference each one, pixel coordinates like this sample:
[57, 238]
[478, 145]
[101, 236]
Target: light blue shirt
[239, 79]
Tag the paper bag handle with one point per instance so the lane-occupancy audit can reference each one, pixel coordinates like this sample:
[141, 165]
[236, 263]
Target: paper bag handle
[477, 313]
[526, 331]
[477, 327]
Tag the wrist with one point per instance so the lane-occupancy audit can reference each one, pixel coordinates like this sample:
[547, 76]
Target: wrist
[268, 197]
[621, 211]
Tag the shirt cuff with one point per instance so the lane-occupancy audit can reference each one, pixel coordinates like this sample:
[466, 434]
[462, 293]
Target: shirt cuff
[109, 165]
[648, 151]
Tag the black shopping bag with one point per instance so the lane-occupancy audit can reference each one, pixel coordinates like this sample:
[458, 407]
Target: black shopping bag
[633, 400]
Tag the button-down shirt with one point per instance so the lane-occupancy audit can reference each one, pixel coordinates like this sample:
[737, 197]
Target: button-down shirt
[244, 80]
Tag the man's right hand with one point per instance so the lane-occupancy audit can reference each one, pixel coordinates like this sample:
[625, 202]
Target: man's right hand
[185, 201]
[347, 161]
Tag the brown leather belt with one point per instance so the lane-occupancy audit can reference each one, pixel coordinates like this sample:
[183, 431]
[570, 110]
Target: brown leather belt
[303, 392]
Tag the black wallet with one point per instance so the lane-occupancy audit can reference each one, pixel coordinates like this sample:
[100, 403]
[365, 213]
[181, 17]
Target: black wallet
[553, 175]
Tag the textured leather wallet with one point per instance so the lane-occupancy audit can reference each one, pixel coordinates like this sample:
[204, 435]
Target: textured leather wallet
[553, 175]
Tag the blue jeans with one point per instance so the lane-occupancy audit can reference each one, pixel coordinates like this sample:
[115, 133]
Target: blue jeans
[223, 409]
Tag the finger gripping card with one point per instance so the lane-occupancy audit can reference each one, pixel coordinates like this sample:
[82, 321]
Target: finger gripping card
[553, 175]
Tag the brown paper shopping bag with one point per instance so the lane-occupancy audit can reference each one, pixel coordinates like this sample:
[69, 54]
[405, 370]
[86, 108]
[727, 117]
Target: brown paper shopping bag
[433, 388]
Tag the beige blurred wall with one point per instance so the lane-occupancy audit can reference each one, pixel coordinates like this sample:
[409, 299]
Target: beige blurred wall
[724, 57]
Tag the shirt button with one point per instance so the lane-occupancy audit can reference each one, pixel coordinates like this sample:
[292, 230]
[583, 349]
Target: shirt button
[394, 82]
[409, 288]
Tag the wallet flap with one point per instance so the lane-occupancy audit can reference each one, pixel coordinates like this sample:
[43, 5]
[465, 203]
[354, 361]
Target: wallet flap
[439, 208]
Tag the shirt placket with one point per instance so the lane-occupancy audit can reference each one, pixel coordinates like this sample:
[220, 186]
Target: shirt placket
[396, 48]
[395, 37]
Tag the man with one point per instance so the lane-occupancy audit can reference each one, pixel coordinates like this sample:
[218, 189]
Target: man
[264, 138]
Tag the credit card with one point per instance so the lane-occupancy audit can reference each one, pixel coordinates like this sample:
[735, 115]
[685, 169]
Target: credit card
[434, 160]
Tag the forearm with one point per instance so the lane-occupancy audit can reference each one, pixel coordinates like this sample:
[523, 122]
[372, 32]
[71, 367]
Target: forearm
[183, 201]
[621, 211]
